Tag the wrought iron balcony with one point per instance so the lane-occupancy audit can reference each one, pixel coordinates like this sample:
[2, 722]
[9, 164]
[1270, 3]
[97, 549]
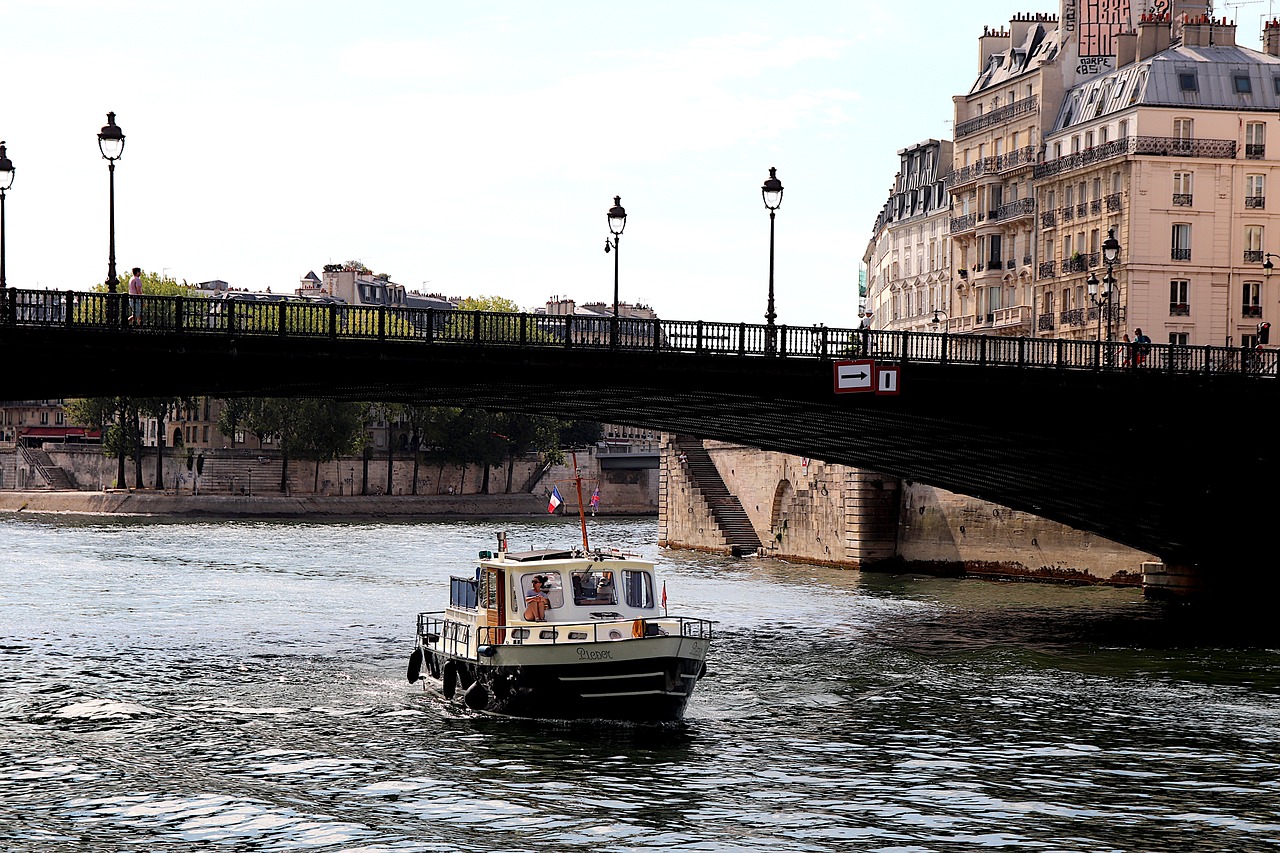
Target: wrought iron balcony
[1113, 202]
[963, 223]
[1014, 209]
[1176, 254]
[1257, 202]
[1046, 269]
[1048, 218]
[969, 174]
[1151, 146]
[997, 116]
[1044, 323]
[1068, 213]
[1072, 317]
[1182, 199]
[1255, 152]
[1095, 206]
[1253, 256]
[1179, 309]
[1253, 311]
[1082, 209]
[1018, 158]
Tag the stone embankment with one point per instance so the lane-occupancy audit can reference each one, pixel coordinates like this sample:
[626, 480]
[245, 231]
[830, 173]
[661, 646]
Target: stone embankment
[274, 506]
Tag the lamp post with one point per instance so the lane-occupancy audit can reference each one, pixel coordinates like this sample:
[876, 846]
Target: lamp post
[1266, 263]
[617, 217]
[6, 181]
[771, 192]
[111, 144]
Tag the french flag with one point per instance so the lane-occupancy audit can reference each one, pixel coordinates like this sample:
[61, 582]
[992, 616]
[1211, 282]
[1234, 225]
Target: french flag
[556, 500]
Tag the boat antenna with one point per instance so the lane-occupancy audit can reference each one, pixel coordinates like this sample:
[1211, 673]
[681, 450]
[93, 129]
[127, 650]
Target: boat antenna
[582, 516]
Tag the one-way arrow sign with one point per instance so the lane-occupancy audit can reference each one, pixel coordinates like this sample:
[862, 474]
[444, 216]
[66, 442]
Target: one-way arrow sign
[854, 377]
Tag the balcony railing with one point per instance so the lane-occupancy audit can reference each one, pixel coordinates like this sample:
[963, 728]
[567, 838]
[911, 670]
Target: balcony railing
[1016, 159]
[1044, 323]
[1253, 311]
[1067, 213]
[1253, 256]
[1046, 269]
[1179, 309]
[997, 116]
[1152, 146]
[1095, 206]
[1014, 209]
[1255, 152]
[1182, 199]
[1082, 209]
[970, 173]
[1257, 202]
[963, 223]
[1113, 202]
[1177, 254]
[1048, 218]
[1072, 317]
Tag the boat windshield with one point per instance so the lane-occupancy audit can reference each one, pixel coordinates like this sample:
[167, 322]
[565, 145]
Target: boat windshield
[552, 588]
[593, 588]
[639, 588]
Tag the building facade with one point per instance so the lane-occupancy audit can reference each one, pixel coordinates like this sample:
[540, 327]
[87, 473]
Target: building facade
[908, 260]
[1168, 153]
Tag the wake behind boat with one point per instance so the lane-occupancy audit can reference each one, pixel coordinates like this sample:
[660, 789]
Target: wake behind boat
[563, 634]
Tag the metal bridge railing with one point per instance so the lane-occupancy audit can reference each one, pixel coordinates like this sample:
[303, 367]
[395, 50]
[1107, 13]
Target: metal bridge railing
[250, 315]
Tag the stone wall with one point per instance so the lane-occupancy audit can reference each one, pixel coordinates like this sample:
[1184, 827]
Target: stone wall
[622, 491]
[812, 511]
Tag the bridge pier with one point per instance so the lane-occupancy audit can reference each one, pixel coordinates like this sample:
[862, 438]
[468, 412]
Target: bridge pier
[1173, 582]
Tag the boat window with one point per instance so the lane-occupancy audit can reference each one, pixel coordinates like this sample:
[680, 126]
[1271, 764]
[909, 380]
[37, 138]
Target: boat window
[592, 588]
[488, 590]
[639, 587]
[553, 589]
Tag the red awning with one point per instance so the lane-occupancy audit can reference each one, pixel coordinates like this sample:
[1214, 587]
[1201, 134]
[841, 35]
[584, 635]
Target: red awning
[59, 432]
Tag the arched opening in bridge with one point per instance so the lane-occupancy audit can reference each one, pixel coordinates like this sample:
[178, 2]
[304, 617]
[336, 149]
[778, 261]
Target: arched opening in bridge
[782, 497]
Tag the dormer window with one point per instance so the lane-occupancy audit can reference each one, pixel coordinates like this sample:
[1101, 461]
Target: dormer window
[1187, 82]
[1243, 85]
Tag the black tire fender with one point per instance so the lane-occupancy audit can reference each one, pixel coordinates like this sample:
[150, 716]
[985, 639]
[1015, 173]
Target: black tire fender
[450, 676]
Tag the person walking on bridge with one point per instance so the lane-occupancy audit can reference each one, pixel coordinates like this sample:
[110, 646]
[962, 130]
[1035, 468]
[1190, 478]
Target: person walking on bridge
[135, 297]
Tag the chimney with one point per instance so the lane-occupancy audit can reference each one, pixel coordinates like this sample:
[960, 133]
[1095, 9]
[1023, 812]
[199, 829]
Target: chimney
[992, 42]
[1203, 31]
[1187, 11]
[1126, 48]
[1271, 37]
[1153, 34]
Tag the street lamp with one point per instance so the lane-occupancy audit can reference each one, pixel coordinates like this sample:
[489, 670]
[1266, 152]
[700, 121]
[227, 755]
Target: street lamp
[771, 192]
[111, 144]
[1266, 263]
[617, 217]
[6, 181]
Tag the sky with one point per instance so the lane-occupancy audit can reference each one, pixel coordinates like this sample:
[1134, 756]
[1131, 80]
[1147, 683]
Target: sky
[474, 148]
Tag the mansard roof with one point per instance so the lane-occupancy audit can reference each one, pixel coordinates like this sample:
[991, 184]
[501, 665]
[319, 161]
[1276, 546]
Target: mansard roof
[1159, 81]
[1041, 45]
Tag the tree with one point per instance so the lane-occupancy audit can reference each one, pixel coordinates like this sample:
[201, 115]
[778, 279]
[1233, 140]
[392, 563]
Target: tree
[158, 408]
[525, 433]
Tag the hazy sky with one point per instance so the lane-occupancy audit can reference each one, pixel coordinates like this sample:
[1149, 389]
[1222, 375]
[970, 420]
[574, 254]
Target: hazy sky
[473, 148]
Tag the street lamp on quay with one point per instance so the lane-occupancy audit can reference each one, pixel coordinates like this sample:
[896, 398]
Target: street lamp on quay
[1105, 300]
[111, 144]
[617, 217]
[771, 192]
[6, 181]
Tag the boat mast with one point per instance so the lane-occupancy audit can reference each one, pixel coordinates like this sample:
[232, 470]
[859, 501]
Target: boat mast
[582, 516]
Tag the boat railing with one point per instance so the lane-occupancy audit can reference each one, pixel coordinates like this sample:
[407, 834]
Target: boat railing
[604, 631]
[445, 635]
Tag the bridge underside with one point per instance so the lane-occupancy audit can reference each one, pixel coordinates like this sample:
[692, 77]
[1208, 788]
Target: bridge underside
[1176, 466]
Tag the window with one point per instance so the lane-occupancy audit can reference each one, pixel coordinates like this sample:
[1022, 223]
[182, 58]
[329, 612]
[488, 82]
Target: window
[1179, 300]
[1075, 145]
[44, 418]
[591, 589]
[1088, 139]
[1183, 129]
[1253, 244]
[1242, 84]
[1181, 243]
[1251, 304]
[1187, 82]
[639, 588]
[1123, 130]
[1255, 140]
[1182, 189]
[1102, 136]
[1255, 193]
[1179, 339]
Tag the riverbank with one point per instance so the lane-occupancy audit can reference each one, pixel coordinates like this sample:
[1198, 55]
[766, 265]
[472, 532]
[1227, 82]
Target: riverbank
[274, 506]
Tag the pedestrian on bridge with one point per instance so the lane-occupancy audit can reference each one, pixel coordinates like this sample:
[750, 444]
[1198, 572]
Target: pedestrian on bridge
[1141, 347]
[135, 296]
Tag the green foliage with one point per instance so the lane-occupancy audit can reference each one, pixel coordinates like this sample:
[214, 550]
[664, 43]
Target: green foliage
[580, 433]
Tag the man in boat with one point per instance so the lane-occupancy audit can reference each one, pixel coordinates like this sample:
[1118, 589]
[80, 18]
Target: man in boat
[536, 602]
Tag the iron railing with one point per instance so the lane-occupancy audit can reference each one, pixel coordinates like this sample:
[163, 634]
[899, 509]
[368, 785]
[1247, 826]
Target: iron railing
[997, 116]
[171, 319]
[1151, 146]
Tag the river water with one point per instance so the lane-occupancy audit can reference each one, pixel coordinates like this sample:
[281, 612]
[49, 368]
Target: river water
[240, 685]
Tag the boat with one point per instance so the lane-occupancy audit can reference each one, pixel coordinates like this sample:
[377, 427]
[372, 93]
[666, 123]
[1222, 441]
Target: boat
[562, 634]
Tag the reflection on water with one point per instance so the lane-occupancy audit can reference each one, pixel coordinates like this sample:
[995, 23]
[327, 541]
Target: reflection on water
[240, 684]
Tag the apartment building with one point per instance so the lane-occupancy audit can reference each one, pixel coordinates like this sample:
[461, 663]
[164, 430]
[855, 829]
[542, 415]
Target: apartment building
[908, 260]
[1168, 153]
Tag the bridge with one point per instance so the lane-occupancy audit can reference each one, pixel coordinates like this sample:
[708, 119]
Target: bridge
[1170, 454]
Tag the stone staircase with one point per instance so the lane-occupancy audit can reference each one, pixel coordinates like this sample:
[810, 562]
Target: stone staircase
[45, 469]
[731, 518]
